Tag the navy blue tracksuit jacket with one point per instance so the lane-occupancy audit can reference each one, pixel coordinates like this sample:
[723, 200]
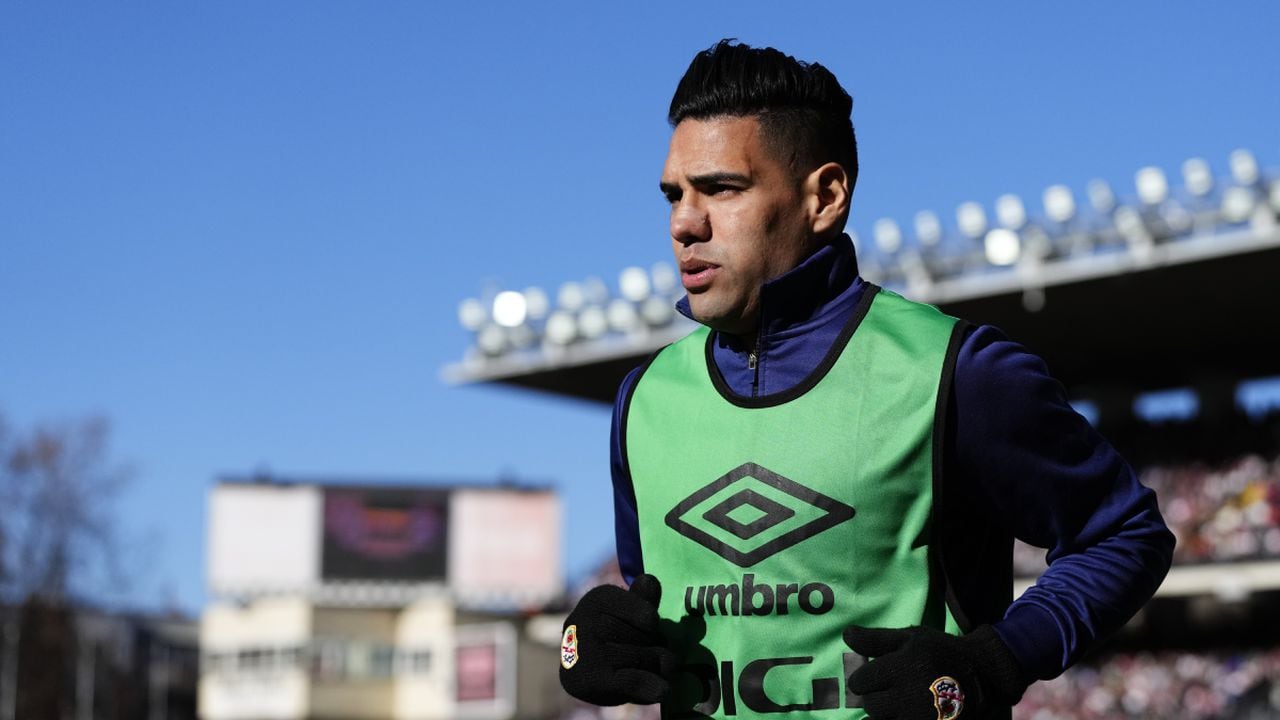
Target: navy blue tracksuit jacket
[1017, 462]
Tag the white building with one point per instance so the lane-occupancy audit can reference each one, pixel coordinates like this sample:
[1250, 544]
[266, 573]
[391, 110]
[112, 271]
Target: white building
[380, 602]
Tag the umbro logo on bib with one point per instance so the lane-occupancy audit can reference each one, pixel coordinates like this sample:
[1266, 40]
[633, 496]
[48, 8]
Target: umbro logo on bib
[751, 513]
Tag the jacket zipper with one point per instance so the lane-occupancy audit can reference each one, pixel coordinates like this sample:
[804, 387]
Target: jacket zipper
[753, 364]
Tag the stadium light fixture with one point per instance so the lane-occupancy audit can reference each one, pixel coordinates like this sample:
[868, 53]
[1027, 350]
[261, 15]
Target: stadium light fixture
[1132, 227]
[622, 315]
[633, 283]
[1237, 204]
[1101, 197]
[1002, 246]
[1152, 185]
[571, 297]
[928, 229]
[510, 309]
[472, 314]
[1059, 204]
[916, 272]
[1010, 212]
[521, 336]
[536, 303]
[561, 329]
[595, 292]
[665, 280]
[491, 340]
[972, 220]
[657, 311]
[1244, 167]
[592, 322]
[1197, 177]
[1177, 218]
[888, 235]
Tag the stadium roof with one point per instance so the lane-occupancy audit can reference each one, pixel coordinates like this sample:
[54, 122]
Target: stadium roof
[1179, 312]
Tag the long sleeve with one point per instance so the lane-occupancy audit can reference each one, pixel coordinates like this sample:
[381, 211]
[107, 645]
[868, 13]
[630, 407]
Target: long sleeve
[626, 524]
[1046, 476]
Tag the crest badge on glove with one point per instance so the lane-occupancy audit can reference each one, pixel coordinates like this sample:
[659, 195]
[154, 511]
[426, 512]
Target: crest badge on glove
[569, 647]
[948, 698]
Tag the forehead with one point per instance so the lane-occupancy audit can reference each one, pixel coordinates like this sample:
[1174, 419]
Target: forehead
[713, 145]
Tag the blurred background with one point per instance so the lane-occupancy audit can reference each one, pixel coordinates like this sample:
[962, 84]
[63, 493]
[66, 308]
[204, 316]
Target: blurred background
[311, 314]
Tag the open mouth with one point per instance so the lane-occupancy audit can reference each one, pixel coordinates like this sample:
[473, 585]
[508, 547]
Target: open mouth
[697, 275]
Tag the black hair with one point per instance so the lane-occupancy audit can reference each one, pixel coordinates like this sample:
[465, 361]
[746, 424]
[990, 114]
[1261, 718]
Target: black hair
[803, 111]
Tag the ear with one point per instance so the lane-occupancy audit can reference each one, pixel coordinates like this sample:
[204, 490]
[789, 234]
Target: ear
[827, 199]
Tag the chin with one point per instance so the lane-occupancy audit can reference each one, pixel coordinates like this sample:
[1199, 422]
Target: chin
[718, 319]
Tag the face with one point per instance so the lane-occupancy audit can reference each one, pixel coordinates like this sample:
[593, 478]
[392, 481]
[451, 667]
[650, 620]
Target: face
[738, 218]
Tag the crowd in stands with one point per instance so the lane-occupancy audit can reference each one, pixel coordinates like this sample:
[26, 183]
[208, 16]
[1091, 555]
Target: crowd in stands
[1167, 685]
[1218, 514]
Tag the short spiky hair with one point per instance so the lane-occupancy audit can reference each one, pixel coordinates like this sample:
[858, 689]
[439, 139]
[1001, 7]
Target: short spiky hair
[804, 112]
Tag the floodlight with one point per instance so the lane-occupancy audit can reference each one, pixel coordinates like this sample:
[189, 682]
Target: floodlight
[1101, 197]
[972, 220]
[1129, 223]
[471, 314]
[622, 314]
[1244, 167]
[1010, 212]
[915, 272]
[1197, 177]
[509, 308]
[594, 291]
[656, 311]
[1153, 186]
[888, 236]
[633, 282]
[928, 229]
[592, 322]
[1059, 203]
[561, 327]
[664, 278]
[521, 336]
[1002, 246]
[536, 303]
[1237, 204]
[491, 340]
[1177, 218]
[571, 296]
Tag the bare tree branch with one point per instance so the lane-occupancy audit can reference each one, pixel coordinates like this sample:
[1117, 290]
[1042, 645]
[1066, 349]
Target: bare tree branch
[57, 502]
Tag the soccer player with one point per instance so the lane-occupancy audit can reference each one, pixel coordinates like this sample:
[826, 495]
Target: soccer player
[816, 491]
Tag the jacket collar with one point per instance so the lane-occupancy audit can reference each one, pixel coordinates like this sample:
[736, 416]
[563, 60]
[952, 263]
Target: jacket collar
[802, 293]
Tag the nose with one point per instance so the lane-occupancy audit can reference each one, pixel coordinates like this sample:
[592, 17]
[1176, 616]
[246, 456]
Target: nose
[689, 224]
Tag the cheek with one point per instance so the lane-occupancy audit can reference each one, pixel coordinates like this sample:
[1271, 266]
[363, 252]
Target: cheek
[742, 234]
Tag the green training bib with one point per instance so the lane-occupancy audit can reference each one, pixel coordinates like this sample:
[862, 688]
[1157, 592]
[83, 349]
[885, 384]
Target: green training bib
[774, 523]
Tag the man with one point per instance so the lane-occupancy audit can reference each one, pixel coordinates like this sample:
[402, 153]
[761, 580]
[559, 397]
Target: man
[815, 493]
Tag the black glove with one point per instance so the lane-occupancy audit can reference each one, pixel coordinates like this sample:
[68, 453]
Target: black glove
[612, 651]
[919, 673]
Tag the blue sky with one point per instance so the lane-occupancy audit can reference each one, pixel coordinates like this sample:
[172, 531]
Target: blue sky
[242, 230]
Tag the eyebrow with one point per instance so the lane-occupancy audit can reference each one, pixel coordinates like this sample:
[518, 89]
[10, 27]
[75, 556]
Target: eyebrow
[715, 178]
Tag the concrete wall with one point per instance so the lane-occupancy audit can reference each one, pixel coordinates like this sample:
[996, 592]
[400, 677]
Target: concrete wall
[426, 693]
[272, 689]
